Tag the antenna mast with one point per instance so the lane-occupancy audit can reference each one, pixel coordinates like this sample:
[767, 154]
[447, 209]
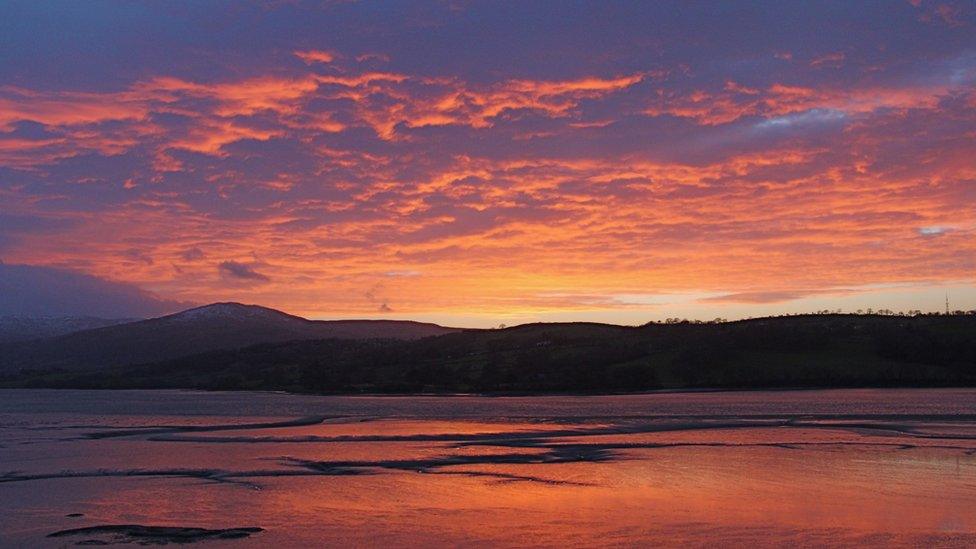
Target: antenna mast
[947, 302]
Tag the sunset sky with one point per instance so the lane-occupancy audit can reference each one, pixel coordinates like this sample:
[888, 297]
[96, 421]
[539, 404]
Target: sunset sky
[478, 163]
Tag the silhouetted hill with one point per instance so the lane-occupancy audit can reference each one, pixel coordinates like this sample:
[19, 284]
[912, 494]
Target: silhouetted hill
[23, 328]
[798, 351]
[217, 326]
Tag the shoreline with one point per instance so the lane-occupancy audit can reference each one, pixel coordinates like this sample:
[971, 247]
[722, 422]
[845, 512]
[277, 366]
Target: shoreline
[508, 394]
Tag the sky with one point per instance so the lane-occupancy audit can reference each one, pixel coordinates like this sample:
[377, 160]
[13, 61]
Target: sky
[480, 163]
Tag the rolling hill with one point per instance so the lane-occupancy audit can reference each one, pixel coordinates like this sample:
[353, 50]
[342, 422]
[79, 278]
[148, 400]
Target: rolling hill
[794, 351]
[24, 328]
[207, 328]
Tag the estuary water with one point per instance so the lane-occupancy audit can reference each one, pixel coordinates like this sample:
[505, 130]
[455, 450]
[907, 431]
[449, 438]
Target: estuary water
[767, 468]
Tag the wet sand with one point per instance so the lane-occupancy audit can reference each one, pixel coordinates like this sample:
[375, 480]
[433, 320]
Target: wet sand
[815, 468]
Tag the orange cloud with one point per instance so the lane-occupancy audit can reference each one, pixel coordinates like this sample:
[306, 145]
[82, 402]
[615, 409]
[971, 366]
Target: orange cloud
[322, 183]
[315, 56]
[66, 109]
[641, 224]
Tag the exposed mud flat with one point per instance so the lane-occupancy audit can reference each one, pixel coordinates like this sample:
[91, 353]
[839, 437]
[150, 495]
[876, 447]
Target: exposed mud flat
[112, 534]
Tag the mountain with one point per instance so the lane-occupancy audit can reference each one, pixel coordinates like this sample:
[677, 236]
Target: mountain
[207, 328]
[23, 328]
[794, 351]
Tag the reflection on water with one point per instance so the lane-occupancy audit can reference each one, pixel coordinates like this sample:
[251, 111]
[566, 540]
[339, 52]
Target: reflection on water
[815, 468]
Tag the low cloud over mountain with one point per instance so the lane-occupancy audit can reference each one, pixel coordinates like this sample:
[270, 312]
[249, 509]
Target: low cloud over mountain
[31, 290]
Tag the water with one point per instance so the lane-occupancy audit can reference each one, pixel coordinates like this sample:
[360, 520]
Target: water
[807, 468]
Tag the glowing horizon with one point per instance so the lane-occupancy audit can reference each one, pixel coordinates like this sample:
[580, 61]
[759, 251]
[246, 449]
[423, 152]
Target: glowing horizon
[474, 164]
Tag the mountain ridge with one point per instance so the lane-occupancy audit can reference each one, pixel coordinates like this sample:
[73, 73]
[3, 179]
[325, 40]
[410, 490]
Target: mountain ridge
[224, 325]
[27, 327]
